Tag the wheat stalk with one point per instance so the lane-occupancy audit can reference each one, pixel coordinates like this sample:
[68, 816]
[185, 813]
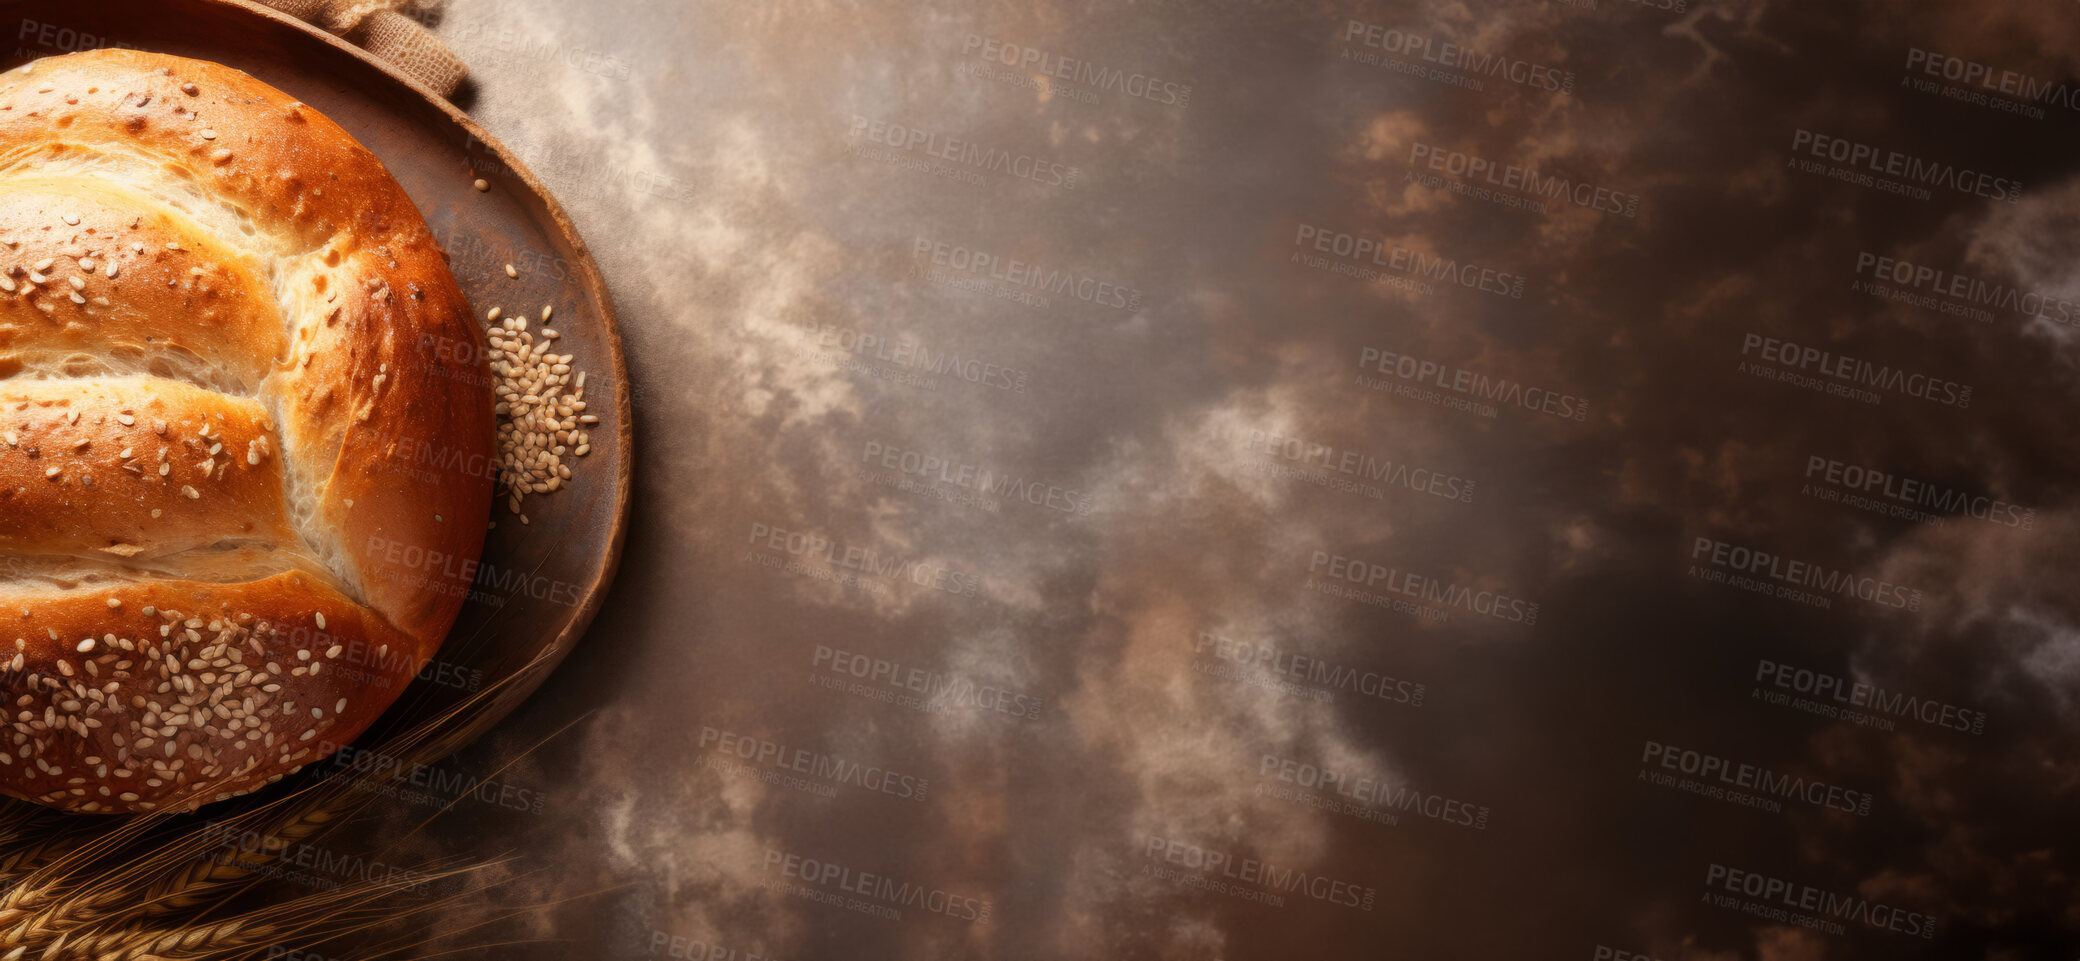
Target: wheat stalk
[20, 860]
[159, 887]
[125, 914]
[133, 886]
[164, 944]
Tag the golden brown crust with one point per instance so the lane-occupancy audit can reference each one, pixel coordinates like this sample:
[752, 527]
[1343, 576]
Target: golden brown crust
[207, 250]
[131, 287]
[180, 692]
[135, 468]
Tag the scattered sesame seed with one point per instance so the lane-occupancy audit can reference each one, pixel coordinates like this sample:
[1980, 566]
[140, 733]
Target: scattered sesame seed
[482, 184]
[512, 271]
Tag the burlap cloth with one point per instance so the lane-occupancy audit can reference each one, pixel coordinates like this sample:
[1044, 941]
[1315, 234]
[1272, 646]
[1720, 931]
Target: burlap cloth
[381, 30]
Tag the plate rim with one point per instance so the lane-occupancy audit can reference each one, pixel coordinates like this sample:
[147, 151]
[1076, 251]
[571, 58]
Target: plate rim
[594, 283]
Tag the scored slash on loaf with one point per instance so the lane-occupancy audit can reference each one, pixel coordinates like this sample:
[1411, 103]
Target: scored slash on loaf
[227, 344]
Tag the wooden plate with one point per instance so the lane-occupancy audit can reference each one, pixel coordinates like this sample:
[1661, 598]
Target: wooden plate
[540, 583]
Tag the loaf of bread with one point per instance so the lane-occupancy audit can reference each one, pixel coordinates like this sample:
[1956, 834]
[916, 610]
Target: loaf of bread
[245, 434]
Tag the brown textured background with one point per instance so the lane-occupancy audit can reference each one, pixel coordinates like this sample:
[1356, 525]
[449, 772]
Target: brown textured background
[704, 151]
